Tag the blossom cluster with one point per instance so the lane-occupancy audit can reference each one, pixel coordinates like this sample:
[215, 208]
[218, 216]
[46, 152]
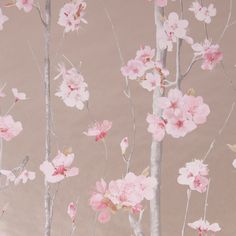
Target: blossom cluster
[26, 5]
[194, 175]
[203, 13]
[59, 168]
[72, 14]
[143, 68]
[73, 89]
[181, 115]
[209, 53]
[127, 193]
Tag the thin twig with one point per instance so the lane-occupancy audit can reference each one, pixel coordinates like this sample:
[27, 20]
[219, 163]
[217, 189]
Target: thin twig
[206, 200]
[186, 211]
[37, 7]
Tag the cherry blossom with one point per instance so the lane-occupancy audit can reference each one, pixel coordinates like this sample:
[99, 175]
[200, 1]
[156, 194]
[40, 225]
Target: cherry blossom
[99, 130]
[151, 81]
[72, 14]
[18, 95]
[3, 19]
[194, 174]
[203, 13]
[10, 176]
[173, 29]
[9, 128]
[24, 176]
[127, 193]
[72, 211]
[59, 168]
[26, 5]
[146, 55]
[203, 227]
[73, 90]
[210, 54]
[124, 145]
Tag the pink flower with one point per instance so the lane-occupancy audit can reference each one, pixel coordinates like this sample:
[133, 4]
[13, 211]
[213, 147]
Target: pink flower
[194, 174]
[73, 90]
[99, 130]
[162, 3]
[210, 54]
[146, 55]
[151, 81]
[18, 96]
[59, 168]
[195, 107]
[134, 69]
[72, 211]
[3, 19]
[203, 13]
[124, 145]
[24, 176]
[26, 5]
[156, 127]
[9, 128]
[203, 227]
[104, 216]
[72, 14]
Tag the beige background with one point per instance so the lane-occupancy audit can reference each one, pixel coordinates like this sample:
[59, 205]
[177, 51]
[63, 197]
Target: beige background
[94, 46]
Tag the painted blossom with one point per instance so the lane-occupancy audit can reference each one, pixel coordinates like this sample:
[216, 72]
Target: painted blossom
[146, 55]
[127, 193]
[72, 14]
[26, 5]
[24, 176]
[9, 128]
[10, 176]
[72, 211]
[203, 227]
[73, 89]
[194, 175]
[18, 95]
[59, 168]
[99, 130]
[203, 13]
[3, 19]
[151, 81]
[124, 144]
[210, 54]
[173, 29]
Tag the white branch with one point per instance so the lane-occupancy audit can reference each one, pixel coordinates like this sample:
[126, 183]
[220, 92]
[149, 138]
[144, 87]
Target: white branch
[186, 211]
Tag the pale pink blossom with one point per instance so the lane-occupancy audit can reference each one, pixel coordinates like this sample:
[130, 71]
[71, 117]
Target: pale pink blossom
[9, 128]
[26, 5]
[10, 176]
[3, 19]
[59, 168]
[146, 55]
[194, 174]
[72, 211]
[161, 69]
[124, 144]
[133, 70]
[104, 216]
[18, 95]
[203, 227]
[203, 13]
[156, 127]
[99, 130]
[210, 54]
[24, 176]
[72, 14]
[73, 89]
[151, 81]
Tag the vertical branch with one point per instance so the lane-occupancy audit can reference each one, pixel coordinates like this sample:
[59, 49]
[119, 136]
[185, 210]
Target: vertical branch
[47, 198]
[1, 151]
[156, 147]
[186, 211]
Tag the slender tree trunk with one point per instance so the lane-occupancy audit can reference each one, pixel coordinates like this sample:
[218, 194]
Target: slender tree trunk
[156, 147]
[47, 198]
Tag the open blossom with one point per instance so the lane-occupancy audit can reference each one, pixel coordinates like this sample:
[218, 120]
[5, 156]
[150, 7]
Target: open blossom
[24, 176]
[59, 168]
[146, 55]
[203, 13]
[72, 211]
[99, 130]
[210, 53]
[3, 19]
[181, 115]
[124, 145]
[151, 81]
[26, 5]
[127, 193]
[18, 95]
[9, 128]
[72, 14]
[73, 90]
[173, 29]
[194, 174]
[203, 227]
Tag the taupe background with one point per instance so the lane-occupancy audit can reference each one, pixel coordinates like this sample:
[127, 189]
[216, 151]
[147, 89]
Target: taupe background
[21, 50]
